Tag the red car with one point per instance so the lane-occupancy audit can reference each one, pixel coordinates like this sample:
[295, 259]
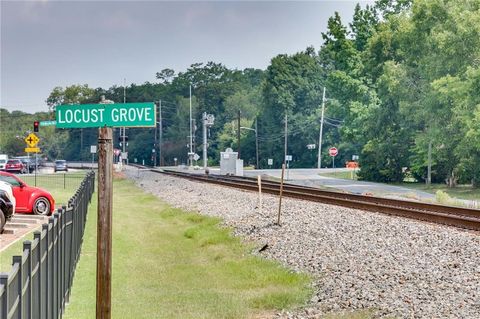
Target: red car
[29, 199]
[15, 165]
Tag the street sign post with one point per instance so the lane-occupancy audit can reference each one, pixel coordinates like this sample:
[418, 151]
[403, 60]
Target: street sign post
[32, 140]
[32, 150]
[93, 151]
[106, 115]
[48, 123]
[333, 151]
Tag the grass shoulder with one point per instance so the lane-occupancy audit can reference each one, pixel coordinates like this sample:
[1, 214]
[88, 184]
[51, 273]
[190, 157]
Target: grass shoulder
[173, 264]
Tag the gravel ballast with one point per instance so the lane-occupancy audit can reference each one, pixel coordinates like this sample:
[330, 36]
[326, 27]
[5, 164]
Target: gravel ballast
[359, 260]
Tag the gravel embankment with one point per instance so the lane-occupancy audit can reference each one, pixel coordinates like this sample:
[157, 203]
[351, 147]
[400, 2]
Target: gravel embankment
[360, 260]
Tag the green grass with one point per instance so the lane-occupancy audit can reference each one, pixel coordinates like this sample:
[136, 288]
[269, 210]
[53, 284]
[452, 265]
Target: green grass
[341, 175]
[62, 186]
[54, 184]
[172, 264]
[461, 191]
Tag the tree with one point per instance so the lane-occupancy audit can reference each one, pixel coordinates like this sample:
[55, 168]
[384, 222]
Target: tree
[293, 86]
[73, 94]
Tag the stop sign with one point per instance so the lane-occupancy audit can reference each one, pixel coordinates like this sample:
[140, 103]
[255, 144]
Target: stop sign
[333, 151]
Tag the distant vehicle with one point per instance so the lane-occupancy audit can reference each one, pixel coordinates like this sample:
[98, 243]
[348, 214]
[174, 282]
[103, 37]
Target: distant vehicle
[6, 208]
[3, 161]
[29, 162]
[15, 166]
[60, 165]
[29, 199]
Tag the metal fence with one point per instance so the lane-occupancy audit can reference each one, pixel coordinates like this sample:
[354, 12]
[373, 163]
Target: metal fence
[58, 180]
[38, 285]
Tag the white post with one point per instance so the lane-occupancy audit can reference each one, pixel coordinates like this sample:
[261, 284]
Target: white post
[123, 135]
[319, 164]
[204, 118]
[191, 137]
[160, 133]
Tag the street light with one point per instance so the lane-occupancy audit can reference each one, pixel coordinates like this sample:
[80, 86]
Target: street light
[256, 139]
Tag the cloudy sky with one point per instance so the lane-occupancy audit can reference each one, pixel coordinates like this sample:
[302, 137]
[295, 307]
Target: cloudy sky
[45, 44]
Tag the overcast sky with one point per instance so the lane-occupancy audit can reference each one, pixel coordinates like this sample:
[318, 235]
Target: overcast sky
[45, 44]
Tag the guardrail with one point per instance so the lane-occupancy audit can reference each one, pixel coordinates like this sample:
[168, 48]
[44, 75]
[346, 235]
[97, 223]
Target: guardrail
[38, 285]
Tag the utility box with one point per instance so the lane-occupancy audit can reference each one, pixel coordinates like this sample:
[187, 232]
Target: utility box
[228, 162]
[239, 167]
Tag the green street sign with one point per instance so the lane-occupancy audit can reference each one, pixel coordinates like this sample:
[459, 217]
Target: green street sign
[48, 123]
[111, 115]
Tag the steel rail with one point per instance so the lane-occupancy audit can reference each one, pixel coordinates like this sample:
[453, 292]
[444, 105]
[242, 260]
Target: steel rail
[448, 215]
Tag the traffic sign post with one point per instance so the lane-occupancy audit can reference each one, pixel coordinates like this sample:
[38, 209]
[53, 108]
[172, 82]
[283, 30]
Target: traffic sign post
[93, 151]
[288, 158]
[104, 224]
[333, 151]
[32, 140]
[105, 115]
[32, 150]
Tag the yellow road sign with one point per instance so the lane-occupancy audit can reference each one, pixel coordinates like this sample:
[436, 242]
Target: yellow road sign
[32, 140]
[32, 150]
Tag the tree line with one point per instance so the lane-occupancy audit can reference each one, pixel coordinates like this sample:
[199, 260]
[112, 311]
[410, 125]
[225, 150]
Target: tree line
[402, 87]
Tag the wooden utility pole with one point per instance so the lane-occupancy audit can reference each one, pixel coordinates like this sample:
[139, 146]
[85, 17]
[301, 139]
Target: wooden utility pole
[104, 222]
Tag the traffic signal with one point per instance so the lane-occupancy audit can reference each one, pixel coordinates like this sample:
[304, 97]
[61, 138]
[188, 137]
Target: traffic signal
[36, 124]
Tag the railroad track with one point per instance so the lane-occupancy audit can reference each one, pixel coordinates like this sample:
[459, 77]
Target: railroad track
[461, 217]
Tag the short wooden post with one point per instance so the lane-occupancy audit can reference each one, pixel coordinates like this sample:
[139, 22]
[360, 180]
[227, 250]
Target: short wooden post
[104, 223]
[259, 180]
[281, 192]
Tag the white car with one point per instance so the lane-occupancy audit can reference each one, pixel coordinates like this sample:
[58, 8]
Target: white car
[3, 162]
[8, 189]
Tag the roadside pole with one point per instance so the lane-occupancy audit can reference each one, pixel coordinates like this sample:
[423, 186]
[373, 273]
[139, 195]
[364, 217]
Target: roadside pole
[36, 168]
[144, 116]
[259, 182]
[104, 223]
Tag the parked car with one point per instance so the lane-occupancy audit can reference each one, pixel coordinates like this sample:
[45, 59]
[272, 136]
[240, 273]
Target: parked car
[29, 199]
[15, 166]
[3, 161]
[29, 163]
[60, 165]
[6, 208]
